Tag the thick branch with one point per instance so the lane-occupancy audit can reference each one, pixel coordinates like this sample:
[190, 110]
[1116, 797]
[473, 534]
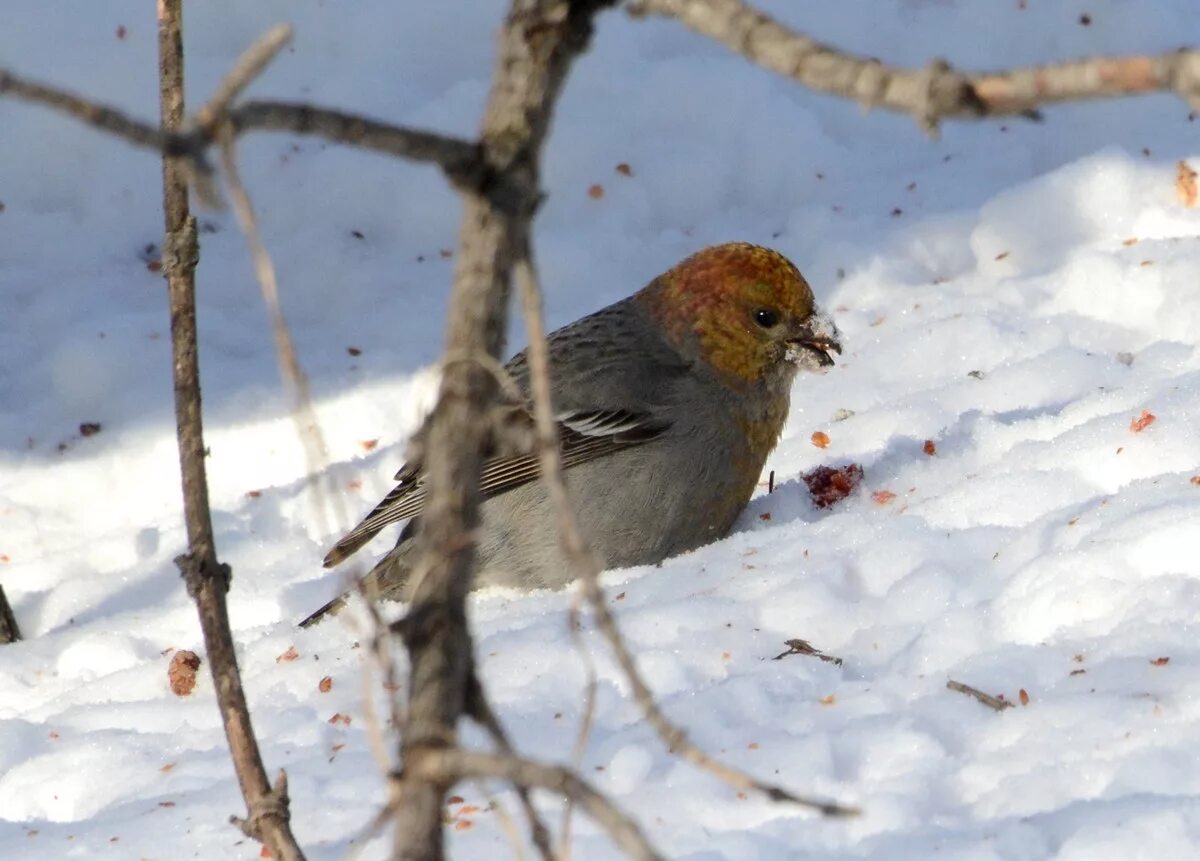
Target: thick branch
[937, 92]
[450, 765]
[538, 43]
[207, 579]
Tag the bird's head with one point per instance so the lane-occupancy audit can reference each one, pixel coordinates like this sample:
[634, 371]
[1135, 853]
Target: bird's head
[746, 311]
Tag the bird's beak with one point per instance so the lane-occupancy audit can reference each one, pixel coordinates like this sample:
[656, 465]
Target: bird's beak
[817, 338]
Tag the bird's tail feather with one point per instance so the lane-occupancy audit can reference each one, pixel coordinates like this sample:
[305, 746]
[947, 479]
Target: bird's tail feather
[387, 581]
[330, 609]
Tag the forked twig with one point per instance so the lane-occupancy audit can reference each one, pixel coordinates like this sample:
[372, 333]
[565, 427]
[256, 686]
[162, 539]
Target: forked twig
[248, 66]
[446, 765]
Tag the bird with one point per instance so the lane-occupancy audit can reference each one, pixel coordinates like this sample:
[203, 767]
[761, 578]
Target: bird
[667, 402]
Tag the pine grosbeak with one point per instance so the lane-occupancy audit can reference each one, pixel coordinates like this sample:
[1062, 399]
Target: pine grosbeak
[668, 404]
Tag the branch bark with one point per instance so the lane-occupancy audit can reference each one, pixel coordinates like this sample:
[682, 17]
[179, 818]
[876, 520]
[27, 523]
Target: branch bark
[538, 42]
[937, 92]
[207, 579]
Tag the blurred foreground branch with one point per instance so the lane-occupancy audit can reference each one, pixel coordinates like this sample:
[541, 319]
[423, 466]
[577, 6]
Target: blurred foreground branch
[538, 43]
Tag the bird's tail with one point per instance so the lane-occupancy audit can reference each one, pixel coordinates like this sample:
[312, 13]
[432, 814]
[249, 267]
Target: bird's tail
[387, 581]
[330, 609]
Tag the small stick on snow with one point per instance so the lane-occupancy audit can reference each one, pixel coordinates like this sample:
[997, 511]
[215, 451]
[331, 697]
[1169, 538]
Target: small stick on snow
[804, 647]
[987, 699]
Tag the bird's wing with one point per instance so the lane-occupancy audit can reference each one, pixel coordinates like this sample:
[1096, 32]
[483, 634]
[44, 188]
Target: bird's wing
[583, 436]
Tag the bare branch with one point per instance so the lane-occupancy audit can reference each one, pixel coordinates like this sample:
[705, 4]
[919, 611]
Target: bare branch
[249, 66]
[207, 579]
[574, 547]
[937, 92]
[450, 765]
[459, 159]
[538, 42]
[96, 115]
[673, 736]
[588, 716]
[295, 380]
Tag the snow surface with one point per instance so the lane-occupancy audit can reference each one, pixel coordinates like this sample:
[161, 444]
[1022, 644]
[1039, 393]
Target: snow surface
[1017, 293]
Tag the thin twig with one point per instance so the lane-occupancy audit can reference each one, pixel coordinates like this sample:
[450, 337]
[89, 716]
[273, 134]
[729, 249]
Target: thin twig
[579, 558]
[673, 736]
[372, 829]
[478, 707]
[248, 66]
[98, 116]
[506, 822]
[207, 579]
[804, 647]
[308, 429]
[459, 159]
[587, 718]
[451, 764]
[380, 655]
[988, 700]
[936, 92]
[538, 42]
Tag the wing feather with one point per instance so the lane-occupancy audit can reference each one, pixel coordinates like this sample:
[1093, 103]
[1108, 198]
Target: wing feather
[583, 436]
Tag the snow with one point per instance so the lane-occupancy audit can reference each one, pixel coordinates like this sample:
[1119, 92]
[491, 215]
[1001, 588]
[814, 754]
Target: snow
[1016, 293]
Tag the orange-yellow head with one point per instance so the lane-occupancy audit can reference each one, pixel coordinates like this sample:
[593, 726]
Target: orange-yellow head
[745, 310]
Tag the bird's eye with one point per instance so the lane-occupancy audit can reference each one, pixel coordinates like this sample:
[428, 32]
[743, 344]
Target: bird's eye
[766, 317]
